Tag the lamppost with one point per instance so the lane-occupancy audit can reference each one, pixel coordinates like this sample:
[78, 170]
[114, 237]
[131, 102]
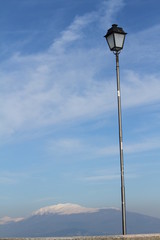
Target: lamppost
[115, 38]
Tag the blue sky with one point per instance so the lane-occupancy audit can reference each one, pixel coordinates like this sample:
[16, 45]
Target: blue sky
[58, 105]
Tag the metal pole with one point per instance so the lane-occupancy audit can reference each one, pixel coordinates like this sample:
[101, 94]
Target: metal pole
[121, 147]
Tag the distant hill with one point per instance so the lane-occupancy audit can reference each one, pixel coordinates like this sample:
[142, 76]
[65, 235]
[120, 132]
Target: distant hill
[73, 220]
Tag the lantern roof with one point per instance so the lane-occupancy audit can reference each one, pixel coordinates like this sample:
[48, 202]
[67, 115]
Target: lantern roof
[115, 29]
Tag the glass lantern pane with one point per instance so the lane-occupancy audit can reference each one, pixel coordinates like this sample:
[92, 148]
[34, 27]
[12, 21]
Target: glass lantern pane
[119, 39]
[110, 41]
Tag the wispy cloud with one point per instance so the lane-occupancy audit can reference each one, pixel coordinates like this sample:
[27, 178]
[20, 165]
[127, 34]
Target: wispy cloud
[102, 177]
[73, 148]
[6, 219]
[144, 145]
[110, 11]
[147, 54]
[61, 84]
[109, 174]
[108, 177]
[74, 32]
[140, 89]
[66, 145]
[49, 88]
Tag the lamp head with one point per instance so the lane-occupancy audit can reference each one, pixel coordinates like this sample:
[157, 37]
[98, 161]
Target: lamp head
[115, 37]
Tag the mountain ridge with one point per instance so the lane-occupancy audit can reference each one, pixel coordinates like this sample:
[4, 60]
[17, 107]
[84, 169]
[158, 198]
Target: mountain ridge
[85, 222]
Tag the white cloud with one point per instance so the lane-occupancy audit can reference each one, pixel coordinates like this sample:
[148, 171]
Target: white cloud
[43, 95]
[108, 174]
[73, 32]
[6, 219]
[108, 177]
[102, 177]
[107, 151]
[144, 145]
[110, 10]
[140, 50]
[36, 101]
[60, 85]
[65, 146]
[74, 147]
[140, 89]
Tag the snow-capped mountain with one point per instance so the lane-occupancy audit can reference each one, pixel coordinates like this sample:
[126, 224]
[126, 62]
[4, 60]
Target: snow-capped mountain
[64, 220]
[64, 209]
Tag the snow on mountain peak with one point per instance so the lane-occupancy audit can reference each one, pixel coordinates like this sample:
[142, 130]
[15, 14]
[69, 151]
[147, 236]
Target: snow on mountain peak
[64, 209]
